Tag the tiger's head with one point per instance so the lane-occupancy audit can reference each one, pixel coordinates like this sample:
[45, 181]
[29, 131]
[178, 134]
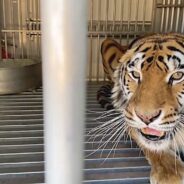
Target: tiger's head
[149, 91]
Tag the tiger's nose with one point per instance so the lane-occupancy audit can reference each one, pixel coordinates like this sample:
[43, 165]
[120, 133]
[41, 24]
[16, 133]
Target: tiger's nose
[148, 117]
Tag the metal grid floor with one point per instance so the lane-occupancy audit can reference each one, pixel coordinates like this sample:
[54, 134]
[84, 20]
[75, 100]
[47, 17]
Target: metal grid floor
[125, 165]
[21, 138]
[22, 153]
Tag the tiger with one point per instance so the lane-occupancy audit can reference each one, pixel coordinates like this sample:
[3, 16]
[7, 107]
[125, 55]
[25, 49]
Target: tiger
[146, 85]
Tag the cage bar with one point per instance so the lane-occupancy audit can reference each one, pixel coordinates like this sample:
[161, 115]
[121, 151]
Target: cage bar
[63, 84]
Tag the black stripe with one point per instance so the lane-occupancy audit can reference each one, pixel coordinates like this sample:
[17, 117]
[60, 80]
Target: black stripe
[178, 102]
[181, 66]
[169, 115]
[146, 49]
[124, 81]
[139, 47]
[103, 102]
[180, 96]
[159, 67]
[132, 64]
[181, 155]
[177, 58]
[155, 47]
[150, 59]
[128, 62]
[148, 67]
[129, 112]
[102, 48]
[168, 122]
[106, 70]
[109, 46]
[168, 57]
[134, 41]
[129, 118]
[161, 59]
[109, 106]
[119, 96]
[175, 49]
[170, 81]
[160, 47]
[123, 102]
[180, 43]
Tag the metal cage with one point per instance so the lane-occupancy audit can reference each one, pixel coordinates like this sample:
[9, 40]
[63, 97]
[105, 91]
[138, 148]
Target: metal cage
[21, 115]
[121, 19]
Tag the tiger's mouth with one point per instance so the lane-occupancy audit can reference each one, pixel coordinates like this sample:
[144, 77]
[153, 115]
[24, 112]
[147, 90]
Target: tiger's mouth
[152, 134]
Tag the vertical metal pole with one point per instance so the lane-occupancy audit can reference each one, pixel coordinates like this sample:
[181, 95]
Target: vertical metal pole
[129, 21]
[162, 17]
[144, 15]
[4, 27]
[64, 32]
[136, 19]
[107, 15]
[19, 4]
[90, 69]
[91, 58]
[98, 42]
[122, 14]
[121, 19]
[167, 17]
[172, 17]
[153, 16]
[177, 16]
[1, 27]
[98, 58]
[114, 15]
[182, 24]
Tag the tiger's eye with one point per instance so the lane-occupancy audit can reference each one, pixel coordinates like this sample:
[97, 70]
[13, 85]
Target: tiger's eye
[135, 74]
[177, 76]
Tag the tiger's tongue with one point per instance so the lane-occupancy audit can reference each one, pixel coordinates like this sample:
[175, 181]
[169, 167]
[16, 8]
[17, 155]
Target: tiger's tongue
[150, 131]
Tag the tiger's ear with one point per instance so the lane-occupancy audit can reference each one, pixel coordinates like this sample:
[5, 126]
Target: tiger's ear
[111, 52]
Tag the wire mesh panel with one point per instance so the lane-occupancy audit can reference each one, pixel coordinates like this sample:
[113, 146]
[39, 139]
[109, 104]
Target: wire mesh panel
[20, 28]
[169, 16]
[122, 20]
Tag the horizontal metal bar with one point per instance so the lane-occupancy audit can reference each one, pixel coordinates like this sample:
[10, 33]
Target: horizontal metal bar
[115, 33]
[123, 169]
[170, 6]
[144, 180]
[21, 140]
[115, 159]
[21, 96]
[117, 150]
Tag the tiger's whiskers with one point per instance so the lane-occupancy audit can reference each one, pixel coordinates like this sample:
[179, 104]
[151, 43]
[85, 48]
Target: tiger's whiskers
[111, 129]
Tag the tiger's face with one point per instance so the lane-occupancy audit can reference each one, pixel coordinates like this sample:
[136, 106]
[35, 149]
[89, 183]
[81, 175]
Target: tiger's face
[149, 91]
